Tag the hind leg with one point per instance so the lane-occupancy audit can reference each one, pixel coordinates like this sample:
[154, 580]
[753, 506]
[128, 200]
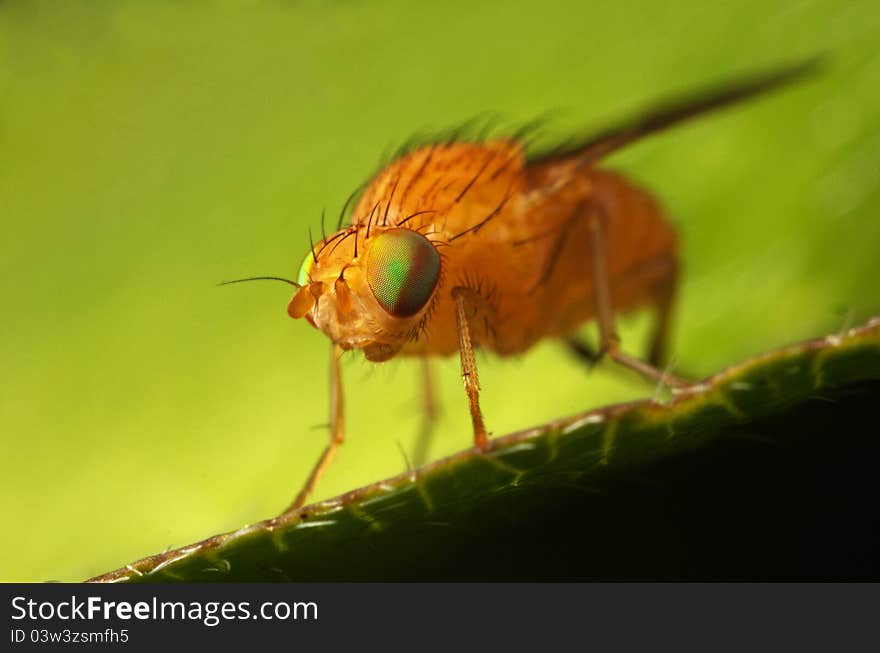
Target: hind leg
[605, 312]
[663, 298]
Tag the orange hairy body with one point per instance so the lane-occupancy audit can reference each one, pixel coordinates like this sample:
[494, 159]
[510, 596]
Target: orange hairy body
[463, 245]
[514, 234]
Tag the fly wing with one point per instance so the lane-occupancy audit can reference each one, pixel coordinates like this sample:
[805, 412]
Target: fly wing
[677, 110]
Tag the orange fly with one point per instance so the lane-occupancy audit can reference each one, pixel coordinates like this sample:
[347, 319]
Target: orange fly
[460, 245]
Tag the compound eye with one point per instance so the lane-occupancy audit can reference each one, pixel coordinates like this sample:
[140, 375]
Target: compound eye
[403, 268]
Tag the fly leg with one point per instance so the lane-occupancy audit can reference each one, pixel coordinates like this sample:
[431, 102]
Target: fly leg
[337, 433]
[605, 311]
[429, 415]
[463, 302]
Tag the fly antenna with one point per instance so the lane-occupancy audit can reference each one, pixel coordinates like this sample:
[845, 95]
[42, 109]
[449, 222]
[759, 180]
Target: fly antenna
[292, 283]
[323, 233]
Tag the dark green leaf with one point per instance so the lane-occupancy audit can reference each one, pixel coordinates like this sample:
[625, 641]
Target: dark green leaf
[764, 471]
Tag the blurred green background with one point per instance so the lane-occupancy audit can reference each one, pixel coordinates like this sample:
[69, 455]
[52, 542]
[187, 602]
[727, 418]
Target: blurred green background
[149, 150]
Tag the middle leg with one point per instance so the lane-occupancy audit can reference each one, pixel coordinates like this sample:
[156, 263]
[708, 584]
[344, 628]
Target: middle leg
[469, 365]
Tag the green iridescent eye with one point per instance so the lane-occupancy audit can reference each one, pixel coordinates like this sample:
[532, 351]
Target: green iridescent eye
[402, 269]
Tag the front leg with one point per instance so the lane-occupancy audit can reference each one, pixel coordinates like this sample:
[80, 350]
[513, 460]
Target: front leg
[463, 303]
